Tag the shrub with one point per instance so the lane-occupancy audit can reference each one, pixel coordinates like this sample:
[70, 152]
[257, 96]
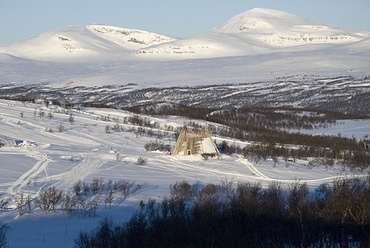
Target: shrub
[49, 198]
[157, 146]
[140, 161]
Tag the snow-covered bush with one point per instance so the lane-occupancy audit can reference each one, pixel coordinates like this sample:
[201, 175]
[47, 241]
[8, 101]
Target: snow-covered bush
[140, 161]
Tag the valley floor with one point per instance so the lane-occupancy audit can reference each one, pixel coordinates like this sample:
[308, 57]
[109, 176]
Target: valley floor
[55, 149]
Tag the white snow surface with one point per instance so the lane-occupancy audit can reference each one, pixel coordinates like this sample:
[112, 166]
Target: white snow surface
[259, 44]
[358, 129]
[33, 158]
[208, 146]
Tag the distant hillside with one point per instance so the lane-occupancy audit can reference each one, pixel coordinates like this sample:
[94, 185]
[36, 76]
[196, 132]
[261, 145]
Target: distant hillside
[260, 57]
[257, 31]
[83, 43]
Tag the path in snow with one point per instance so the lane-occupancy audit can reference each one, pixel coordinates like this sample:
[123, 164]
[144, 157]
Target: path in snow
[88, 165]
[26, 178]
[253, 169]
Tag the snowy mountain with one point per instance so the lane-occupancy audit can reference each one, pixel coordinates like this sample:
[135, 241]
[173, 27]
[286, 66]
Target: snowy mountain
[280, 28]
[252, 32]
[131, 39]
[261, 47]
[83, 43]
[257, 31]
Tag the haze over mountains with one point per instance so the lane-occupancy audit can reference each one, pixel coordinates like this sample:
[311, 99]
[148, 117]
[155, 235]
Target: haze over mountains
[259, 45]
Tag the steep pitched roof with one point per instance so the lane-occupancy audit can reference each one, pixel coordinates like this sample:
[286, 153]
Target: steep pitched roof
[192, 142]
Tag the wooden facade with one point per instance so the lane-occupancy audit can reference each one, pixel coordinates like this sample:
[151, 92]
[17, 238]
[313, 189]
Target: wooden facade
[191, 142]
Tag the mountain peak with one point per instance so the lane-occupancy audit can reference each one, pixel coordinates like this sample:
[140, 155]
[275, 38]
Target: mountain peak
[81, 42]
[261, 20]
[280, 28]
[254, 31]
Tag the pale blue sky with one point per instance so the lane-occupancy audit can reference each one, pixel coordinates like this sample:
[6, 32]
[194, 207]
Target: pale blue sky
[22, 19]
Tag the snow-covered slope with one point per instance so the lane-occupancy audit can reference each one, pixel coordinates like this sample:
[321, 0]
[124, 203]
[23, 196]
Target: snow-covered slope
[256, 45]
[132, 39]
[258, 31]
[41, 152]
[281, 28]
[67, 43]
[83, 43]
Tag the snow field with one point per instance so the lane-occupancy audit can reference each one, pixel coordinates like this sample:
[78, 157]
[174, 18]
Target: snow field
[85, 151]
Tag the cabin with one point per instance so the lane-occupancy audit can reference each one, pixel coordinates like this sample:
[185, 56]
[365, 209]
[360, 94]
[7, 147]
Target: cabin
[192, 142]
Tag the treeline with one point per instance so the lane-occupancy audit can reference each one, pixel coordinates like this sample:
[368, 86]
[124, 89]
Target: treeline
[266, 129]
[276, 118]
[323, 156]
[356, 157]
[272, 118]
[245, 215]
[266, 125]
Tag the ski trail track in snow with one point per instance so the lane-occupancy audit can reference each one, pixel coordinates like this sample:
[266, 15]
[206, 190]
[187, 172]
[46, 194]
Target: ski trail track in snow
[189, 170]
[26, 177]
[254, 170]
[262, 176]
[88, 165]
